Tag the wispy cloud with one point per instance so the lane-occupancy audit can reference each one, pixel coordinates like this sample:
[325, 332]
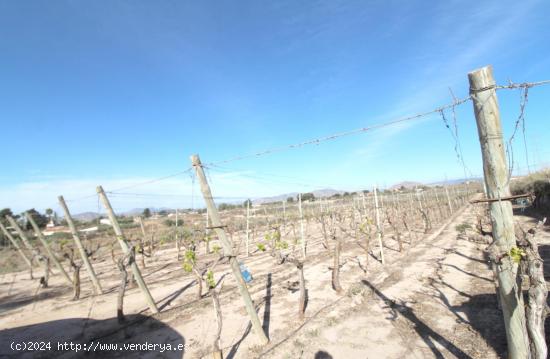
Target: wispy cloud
[458, 47]
[128, 193]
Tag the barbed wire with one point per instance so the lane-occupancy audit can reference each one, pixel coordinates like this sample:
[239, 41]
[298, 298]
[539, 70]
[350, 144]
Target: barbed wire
[335, 136]
[154, 180]
[514, 85]
[269, 178]
[177, 195]
[456, 102]
[520, 121]
[452, 106]
[134, 185]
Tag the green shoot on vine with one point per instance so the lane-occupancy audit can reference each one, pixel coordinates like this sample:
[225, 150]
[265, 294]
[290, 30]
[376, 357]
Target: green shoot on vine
[216, 248]
[189, 260]
[516, 254]
[210, 279]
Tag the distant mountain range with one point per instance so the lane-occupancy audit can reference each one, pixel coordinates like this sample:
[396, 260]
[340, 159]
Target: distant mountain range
[406, 184]
[90, 216]
[322, 193]
[327, 192]
[86, 216]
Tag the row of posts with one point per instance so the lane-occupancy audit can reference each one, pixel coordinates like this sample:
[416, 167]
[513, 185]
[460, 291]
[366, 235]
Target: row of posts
[483, 94]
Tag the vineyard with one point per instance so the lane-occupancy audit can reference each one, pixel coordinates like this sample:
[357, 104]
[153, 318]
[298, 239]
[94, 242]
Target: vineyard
[402, 272]
[338, 236]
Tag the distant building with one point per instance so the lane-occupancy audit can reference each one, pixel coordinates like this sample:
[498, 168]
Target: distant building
[55, 229]
[89, 230]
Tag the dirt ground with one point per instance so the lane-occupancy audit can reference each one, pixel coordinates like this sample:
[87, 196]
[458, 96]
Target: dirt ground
[434, 299]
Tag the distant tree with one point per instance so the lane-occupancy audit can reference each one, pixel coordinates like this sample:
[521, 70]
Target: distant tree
[308, 196]
[6, 212]
[247, 202]
[169, 223]
[40, 219]
[365, 191]
[225, 206]
[346, 194]
[3, 213]
[336, 195]
[146, 213]
[163, 212]
[290, 199]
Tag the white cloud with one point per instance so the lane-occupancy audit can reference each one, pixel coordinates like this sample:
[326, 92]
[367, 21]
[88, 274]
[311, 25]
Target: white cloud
[483, 30]
[179, 191]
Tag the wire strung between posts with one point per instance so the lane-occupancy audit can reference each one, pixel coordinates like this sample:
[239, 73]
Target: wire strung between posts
[454, 135]
[511, 85]
[520, 120]
[341, 134]
[458, 144]
[126, 194]
[114, 191]
[151, 181]
[455, 103]
[268, 178]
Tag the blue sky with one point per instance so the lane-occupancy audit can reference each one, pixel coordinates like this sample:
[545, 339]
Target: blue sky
[121, 92]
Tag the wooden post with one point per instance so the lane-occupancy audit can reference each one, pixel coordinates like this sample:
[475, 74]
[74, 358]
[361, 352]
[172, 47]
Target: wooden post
[247, 227]
[419, 198]
[495, 170]
[142, 245]
[142, 226]
[22, 234]
[48, 249]
[303, 241]
[78, 243]
[378, 227]
[284, 212]
[126, 249]
[449, 200]
[364, 204]
[228, 250]
[35, 252]
[177, 236]
[16, 245]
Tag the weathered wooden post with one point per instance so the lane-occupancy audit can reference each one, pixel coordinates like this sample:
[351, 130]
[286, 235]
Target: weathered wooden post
[247, 227]
[284, 212]
[495, 170]
[35, 252]
[228, 250]
[364, 204]
[177, 236]
[302, 237]
[47, 247]
[378, 227]
[22, 235]
[449, 200]
[142, 227]
[16, 245]
[78, 243]
[126, 249]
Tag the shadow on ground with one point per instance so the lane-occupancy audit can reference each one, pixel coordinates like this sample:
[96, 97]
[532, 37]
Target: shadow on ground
[90, 334]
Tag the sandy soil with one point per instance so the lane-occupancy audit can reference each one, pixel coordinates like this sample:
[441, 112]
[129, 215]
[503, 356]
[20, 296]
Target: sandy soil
[434, 299]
